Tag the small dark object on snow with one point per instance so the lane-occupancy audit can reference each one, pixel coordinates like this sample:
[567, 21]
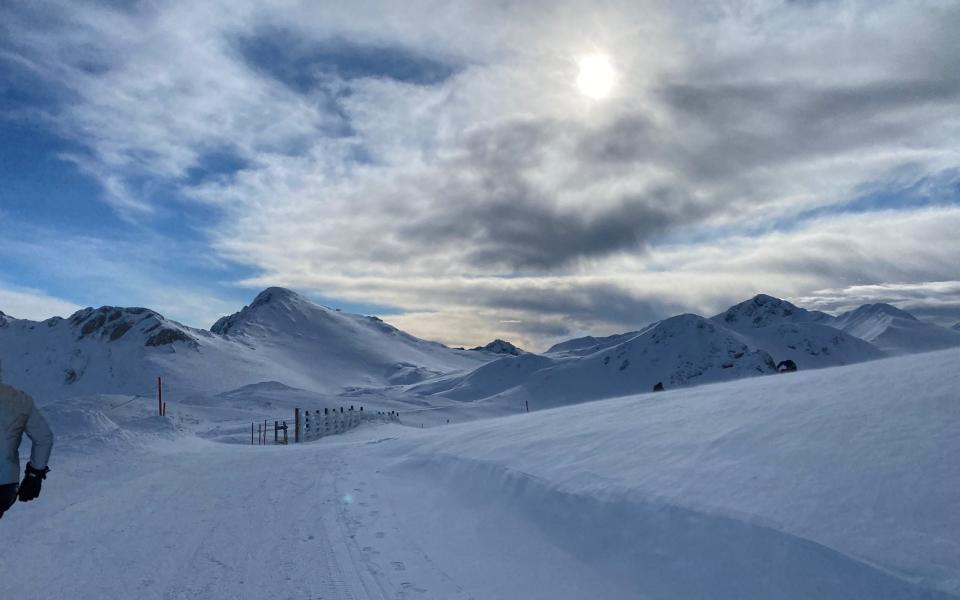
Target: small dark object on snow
[658, 387]
[786, 366]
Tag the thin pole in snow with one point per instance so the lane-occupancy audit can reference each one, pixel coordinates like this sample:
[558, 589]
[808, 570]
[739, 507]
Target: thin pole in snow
[159, 397]
[296, 425]
[251, 433]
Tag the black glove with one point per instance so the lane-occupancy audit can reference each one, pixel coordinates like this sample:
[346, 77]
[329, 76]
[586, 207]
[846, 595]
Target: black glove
[32, 480]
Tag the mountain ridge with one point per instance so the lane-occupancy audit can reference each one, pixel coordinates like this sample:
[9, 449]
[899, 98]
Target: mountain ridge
[284, 337]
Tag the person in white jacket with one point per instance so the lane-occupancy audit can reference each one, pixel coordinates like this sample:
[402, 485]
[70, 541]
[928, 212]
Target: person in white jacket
[19, 415]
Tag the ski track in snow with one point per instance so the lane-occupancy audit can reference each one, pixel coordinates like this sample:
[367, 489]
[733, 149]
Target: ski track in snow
[273, 522]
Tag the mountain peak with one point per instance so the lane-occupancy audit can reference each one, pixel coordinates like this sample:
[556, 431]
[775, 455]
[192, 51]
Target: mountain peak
[499, 346]
[277, 301]
[881, 308]
[763, 310]
[275, 294]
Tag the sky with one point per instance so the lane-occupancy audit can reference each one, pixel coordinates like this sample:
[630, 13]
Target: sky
[444, 165]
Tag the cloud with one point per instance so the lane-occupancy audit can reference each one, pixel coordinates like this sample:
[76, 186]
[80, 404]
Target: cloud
[441, 160]
[32, 304]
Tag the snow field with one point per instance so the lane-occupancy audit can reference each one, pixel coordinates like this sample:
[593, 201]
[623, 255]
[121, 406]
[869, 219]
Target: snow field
[836, 483]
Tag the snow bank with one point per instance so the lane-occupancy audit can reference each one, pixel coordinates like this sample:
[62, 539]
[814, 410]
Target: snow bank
[837, 483]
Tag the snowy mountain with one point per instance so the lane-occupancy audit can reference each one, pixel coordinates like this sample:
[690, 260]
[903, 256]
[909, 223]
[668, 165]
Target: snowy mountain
[790, 332]
[680, 351]
[280, 336]
[763, 310]
[588, 345]
[895, 331]
[284, 338]
[499, 346]
[337, 346]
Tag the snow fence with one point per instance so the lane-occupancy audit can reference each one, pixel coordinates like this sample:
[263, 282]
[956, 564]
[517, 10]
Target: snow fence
[315, 424]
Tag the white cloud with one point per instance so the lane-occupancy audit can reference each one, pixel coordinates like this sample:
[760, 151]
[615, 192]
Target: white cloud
[33, 304]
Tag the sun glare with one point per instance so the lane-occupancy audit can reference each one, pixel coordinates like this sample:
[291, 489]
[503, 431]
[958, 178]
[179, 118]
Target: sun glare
[596, 76]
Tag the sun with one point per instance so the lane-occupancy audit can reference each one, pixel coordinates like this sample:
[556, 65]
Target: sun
[596, 76]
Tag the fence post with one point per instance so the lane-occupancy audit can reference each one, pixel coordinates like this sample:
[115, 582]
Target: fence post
[296, 426]
[159, 397]
[251, 433]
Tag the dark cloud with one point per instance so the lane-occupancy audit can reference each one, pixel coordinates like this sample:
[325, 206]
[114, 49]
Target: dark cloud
[509, 221]
[308, 64]
[766, 125]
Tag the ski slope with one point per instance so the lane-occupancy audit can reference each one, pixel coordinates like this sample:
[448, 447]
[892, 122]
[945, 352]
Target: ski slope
[828, 484]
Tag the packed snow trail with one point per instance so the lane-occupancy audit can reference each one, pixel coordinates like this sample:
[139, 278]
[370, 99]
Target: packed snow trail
[215, 521]
[201, 520]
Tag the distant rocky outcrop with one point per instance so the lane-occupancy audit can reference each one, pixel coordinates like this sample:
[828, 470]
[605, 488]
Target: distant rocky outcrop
[786, 366]
[112, 323]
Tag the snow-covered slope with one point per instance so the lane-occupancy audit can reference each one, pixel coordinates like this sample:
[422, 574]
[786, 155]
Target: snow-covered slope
[895, 331]
[588, 345]
[824, 484]
[748, 339]
[680, 351]
[831, 484]
[790, 332]
[280, 337]
[104, 350]
[341, 347]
